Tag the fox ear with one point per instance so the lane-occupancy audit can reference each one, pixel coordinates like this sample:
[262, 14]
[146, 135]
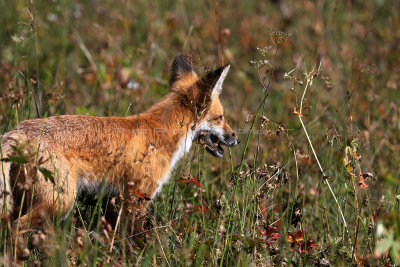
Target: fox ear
[215, 79]
[217, 89]
[181, 66]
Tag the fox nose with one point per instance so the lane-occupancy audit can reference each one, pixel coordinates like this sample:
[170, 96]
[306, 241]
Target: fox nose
[237, 139]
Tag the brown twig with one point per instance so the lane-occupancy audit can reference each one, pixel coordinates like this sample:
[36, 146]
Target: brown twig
[219, 41]
[201, 195]
[37, 98]
[115, 231]
[353, 254]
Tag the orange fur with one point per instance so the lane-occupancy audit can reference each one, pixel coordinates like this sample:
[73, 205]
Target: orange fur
[135, 153]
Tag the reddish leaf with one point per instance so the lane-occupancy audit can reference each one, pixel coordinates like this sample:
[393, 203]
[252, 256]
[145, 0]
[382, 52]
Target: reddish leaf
[261, 205]
[289, 238]
[296, 112]
[270, 232]
[189, 180]
[297, 239]
[299, 236]
[194, 181]
[141, 195]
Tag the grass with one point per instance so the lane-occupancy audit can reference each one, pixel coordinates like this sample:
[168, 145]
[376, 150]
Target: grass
[290, 194]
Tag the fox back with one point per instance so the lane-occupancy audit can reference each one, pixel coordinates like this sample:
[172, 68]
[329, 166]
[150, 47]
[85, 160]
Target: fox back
[134, 155]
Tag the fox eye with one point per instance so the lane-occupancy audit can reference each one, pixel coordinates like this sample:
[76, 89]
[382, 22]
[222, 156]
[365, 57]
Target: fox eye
[221, 117]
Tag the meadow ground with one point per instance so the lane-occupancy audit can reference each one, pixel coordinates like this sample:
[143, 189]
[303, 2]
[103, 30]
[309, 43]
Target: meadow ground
[313, 93]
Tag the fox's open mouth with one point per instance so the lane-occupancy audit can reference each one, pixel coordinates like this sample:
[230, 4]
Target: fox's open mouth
[212, 143]
[216, 149]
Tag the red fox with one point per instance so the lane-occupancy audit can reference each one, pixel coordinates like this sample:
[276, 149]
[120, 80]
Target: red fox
[134, 154]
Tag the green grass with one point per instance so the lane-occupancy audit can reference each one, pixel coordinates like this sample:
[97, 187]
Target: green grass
[112, 58]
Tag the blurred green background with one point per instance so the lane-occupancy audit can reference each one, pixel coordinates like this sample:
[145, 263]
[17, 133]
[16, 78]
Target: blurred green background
[112, 58]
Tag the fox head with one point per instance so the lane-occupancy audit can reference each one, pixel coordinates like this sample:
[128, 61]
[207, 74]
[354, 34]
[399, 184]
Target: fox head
[201, 96]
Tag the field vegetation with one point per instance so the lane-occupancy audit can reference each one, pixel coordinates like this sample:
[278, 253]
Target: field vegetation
[313, 94]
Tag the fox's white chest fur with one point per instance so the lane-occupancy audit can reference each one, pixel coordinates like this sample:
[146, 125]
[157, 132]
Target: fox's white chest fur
[183, 147]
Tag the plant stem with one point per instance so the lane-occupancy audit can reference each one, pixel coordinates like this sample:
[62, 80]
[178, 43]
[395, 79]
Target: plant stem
[37, 99]
[309, 81]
